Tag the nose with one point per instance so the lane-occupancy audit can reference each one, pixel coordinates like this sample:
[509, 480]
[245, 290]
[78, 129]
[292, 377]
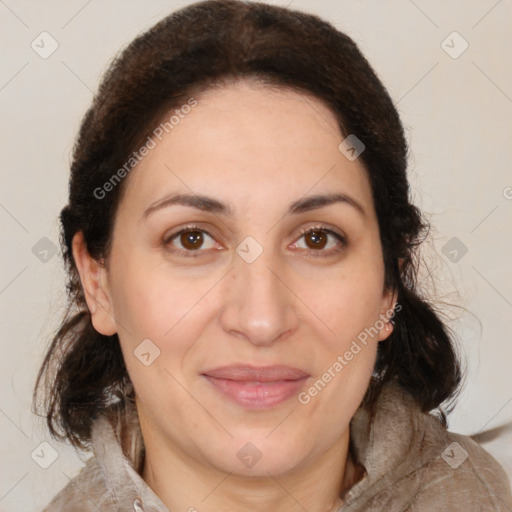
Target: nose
[260, 305]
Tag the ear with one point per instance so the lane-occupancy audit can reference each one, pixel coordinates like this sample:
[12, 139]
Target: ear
[389, 303]
[385, 324]
[93, 276]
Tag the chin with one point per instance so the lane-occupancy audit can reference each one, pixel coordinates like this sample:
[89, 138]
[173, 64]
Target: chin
[257, 456]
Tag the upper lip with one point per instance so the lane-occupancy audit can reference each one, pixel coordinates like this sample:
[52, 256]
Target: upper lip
[256, 373]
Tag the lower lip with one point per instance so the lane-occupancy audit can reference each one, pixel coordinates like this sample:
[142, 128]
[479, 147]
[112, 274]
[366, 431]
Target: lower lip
[262, 395]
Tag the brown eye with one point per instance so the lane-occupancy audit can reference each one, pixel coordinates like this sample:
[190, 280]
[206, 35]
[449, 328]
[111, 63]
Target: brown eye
[188, 241]
[316, 239]
[320, 241]
[191, 240]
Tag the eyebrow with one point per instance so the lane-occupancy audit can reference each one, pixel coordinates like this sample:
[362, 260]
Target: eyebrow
[210, 204]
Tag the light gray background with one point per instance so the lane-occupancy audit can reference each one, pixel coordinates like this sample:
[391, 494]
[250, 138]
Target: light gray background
[457, 113]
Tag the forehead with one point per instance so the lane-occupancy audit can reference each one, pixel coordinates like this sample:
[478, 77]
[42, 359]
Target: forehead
[247, 141]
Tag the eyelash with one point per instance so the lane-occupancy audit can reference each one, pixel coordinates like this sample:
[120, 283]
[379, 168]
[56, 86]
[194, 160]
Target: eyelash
[342, 242]
[313, 253]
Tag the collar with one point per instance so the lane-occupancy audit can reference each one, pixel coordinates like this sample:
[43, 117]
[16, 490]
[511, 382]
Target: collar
[390, 445]
[118, 451]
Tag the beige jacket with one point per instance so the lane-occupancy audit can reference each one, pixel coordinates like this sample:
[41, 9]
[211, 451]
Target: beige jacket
[412, 465]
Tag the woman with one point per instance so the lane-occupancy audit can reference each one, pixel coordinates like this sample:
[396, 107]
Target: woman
[244, 330]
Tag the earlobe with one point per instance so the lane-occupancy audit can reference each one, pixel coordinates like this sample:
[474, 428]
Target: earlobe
[95, 285]
[387, 325]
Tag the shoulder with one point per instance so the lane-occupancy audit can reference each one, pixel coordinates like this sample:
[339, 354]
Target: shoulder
[84, 493]
[414, 464]
[458, 474]
[109, 480]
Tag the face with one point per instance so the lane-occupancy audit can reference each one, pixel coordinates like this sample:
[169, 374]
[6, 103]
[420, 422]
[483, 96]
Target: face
[245, 282]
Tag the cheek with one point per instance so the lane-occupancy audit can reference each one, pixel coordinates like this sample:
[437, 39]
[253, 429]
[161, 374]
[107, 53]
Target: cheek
[347, 302]
[171, 315]
[169, 309]
[149, 300]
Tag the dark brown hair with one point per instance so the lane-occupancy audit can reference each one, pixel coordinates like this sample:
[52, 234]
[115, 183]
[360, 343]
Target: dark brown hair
[83, 374]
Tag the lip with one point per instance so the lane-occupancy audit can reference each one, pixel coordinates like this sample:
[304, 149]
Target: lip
[257, 387]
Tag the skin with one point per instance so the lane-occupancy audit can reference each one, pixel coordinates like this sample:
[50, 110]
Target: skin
[257, 150]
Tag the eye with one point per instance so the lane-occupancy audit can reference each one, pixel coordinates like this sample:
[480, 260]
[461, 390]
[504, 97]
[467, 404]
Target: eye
[322, 240]
[189, 240]
[193, 241]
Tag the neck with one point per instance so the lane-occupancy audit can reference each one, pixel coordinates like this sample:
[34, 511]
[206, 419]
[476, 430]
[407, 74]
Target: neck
[184, 483]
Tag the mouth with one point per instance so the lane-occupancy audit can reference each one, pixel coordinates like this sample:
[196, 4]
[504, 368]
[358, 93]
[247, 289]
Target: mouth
[257, 387]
